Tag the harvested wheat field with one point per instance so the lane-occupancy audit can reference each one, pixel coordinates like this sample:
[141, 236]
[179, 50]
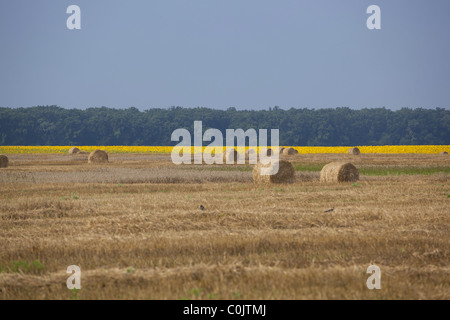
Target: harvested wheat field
[134, 227]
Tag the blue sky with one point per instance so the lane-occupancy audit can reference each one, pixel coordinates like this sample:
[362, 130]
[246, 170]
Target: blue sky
[248, 54]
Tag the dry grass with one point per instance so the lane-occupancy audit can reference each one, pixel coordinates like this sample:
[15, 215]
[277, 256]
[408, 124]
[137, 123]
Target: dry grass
[136, 235]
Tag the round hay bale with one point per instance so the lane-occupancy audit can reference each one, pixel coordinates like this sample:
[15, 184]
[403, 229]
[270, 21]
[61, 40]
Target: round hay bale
[230, 156]
[98, 156]
[250, 152]
[354, 151]
[266, 151]
[74, 150]
[339, 172]
[285, 174]
[4, 161]
[289, 151]
[280, 151]
[444, 152]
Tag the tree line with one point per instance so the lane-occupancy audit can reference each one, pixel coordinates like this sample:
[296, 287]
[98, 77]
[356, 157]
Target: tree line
[52, 125]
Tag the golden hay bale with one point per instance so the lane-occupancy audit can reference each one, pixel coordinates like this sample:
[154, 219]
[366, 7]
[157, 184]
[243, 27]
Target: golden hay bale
[74, 150]
[230, 156]
[266, 151]
[354, 151]
[4, 161]
[250, 152]
[339, 172]
[285, 174]
[289, 151]
[280, 151]
[444, 152]
[98, 156]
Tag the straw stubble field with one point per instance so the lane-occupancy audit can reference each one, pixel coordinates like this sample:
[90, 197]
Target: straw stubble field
[134, 227]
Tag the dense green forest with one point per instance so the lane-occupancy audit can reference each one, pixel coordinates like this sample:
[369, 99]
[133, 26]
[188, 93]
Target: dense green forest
[51, 125]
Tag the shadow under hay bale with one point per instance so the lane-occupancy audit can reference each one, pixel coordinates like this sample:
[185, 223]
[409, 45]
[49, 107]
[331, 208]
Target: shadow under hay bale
[339, 172]
[74, 150]
[285, 174]
[4, 161]
[289, 151]
[98, 156]
[354, 151]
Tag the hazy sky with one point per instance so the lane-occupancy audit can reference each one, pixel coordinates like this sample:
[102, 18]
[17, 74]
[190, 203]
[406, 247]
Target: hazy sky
[251, 54]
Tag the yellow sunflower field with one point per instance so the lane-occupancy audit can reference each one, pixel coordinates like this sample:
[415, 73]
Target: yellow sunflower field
[426, 149]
